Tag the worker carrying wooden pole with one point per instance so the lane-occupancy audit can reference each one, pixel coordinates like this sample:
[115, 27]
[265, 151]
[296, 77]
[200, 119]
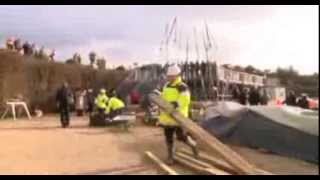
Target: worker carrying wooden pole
[177, 93]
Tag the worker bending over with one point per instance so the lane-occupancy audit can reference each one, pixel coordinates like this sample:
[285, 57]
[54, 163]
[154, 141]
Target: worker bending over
[177, 93]
[115, 106]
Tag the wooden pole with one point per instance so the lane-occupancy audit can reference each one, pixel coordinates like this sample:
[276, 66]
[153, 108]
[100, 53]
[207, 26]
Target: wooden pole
[161, 164]
[195, 167]
[212, 160]
[207, 167]
[240, 165]
[218, 162]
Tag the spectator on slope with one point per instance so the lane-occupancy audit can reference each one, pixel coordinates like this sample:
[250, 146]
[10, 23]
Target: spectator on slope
[10, 43]
[26, 48]
[52, 54]
[18, 45]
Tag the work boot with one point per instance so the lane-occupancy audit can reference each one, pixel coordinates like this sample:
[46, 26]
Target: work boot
[195, 152]
[170, 159]
[193, 145]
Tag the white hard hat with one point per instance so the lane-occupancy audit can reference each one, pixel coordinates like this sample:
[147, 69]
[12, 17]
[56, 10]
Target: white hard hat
[103, 90]
[156, 91]
[173, 70]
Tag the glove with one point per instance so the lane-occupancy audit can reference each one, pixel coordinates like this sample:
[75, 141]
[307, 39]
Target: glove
[175, 104]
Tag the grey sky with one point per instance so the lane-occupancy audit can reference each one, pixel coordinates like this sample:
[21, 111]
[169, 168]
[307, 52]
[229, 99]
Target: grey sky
[264, 36]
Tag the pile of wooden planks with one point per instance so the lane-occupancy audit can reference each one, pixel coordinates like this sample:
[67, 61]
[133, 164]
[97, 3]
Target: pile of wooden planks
[238, 164]
[217, 163]
[204, 164]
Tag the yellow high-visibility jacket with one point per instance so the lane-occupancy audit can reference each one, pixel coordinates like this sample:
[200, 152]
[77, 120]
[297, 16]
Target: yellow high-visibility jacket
[113, 104]
[101, 101]
[175, 92]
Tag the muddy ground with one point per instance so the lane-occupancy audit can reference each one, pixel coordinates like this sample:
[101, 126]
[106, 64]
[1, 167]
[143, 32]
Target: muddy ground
[41, 146]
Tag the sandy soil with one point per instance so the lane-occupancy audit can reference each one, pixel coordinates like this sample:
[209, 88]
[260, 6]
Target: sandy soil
[41, 146]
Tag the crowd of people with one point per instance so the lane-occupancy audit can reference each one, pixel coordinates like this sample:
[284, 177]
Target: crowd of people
[29, 49]
[250, 96]
[259, 96]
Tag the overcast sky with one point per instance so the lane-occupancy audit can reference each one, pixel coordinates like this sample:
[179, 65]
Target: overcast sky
[264, 36]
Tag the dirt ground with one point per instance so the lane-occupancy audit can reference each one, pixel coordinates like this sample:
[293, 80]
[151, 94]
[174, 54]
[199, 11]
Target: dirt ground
[41, 146]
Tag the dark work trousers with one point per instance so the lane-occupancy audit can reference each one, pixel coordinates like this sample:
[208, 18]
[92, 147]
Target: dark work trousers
[169, 132]
[101, 113]
[64, 116]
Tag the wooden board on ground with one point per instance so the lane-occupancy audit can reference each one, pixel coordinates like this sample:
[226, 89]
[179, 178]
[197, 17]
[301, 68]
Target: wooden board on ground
[161, 164]
[218, 162]
[201, 166]
[195, 167]
[212, 160]
[241, 166]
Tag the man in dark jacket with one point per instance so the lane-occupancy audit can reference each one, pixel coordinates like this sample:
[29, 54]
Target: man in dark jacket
[303, 101]
[244, 96]
[254, 97]
[291, 99]
[90, 100]
[264, 96]
[236, 93]
[17, 45]
[63, 98]
[26, 48]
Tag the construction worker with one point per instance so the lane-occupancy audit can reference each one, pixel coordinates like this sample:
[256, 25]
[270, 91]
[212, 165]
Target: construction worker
[101, 101]
[115, 105]
[177, 93]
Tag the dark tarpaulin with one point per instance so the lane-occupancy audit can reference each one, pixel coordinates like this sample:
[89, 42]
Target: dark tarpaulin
[287, 131]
